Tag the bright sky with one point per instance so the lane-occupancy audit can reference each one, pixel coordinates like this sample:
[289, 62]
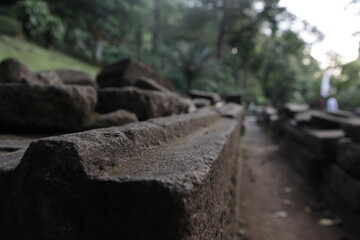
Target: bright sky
[336, 22]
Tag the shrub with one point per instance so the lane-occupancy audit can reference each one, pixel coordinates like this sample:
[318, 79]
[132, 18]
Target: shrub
[10, 26]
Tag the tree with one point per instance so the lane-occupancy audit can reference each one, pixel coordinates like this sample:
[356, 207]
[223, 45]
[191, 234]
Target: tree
[105, 20]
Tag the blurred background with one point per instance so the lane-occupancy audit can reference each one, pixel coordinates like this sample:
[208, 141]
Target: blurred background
[269, 51]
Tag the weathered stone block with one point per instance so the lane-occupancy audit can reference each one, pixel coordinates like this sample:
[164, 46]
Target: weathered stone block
[14, 71]
[289, 110]
[125, 73]
[168, 178]
[301, 158]
[352, 128]
[344, 185]
[349, 156]
[322, 142]
[213, 97]
[234, 98]
[8, 163]
[326, 121]
[144, 103]
[117, 118]
[201, 102]
[149, 84]
[45, 107]
[72, 77]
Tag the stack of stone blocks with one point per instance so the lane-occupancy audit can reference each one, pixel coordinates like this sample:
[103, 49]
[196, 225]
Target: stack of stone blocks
[172, 175]
[324, 147]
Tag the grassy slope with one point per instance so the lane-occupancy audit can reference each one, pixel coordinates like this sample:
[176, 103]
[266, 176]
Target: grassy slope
[40, 59]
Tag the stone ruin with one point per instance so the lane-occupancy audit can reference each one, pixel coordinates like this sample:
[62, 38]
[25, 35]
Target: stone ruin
[325, 149]
[137, 161]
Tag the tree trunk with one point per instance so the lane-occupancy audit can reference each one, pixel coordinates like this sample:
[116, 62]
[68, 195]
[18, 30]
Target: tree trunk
[98, 50]
[189, 79]
[156, 27]
[221, 31]
[138, 43]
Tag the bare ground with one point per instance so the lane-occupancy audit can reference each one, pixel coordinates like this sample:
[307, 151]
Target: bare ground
[276, 204]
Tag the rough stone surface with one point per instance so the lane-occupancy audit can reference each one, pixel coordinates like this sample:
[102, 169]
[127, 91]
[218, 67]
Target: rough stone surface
[234, 98]
[349, 156]
[323, 143]
[326, 121]
[213, 97]
[352, 128]
[144, 103]
[126, 72]
[149, 84]
[41, 107]
[117, 118]
[72, 77]
[344, 185]
[232, 110]
[350, 219]
[357, 112]
[301, 158]
[289, 110]
[201, 102]
[47, 78]
[12, 149]
[342, 113]
[12, 70]
[169, 178]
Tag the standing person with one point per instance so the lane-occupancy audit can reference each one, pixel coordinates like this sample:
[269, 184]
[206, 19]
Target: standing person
[332, 105]
[325, 84]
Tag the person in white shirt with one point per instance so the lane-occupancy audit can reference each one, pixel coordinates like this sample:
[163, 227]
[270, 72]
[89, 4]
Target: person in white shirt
[332, 105]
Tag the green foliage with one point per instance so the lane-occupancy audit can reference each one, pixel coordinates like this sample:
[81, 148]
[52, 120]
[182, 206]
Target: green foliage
[39, 23]
[10, 26]
[347, 85]
[40, 59]
[215, 45]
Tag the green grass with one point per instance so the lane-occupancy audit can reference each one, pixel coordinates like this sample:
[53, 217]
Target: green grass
[40, 59]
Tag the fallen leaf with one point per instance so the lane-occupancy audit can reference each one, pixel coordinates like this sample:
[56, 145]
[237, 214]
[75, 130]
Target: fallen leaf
[326, 222]
[280, 214]
[307, 209]
[287, 202]
[244, 203]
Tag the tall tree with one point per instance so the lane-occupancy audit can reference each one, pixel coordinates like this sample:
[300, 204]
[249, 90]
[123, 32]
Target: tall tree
[156, 27]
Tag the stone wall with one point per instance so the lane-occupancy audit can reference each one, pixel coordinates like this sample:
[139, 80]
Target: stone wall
[325, 149]
[165, 178]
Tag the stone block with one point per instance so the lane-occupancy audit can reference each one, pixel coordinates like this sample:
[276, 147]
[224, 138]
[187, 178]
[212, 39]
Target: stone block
[234, 98]
[323, 120]
[352, 128]
[349, 156]
[344, 185]
[72, 77]
[149, 84]
[45, 107]
[117, 118]
[8, 163]
[289, 110]
[144, 103]
[167, 178]
[321, 142]
[301, 158]
[126, 72]
[213, 97]
[201, 102]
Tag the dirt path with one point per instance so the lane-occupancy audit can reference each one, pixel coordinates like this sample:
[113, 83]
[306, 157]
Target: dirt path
[276, 204]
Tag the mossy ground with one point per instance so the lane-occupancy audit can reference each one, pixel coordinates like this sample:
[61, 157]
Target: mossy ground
[40, 59]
